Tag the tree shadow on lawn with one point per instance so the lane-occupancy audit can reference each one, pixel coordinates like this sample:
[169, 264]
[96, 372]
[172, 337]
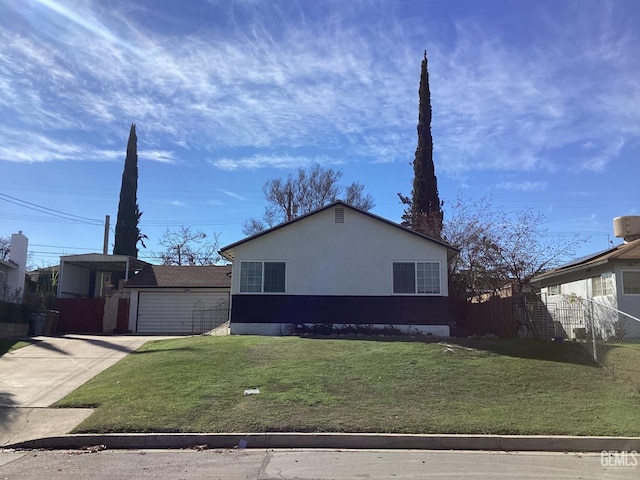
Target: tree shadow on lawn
[565, 352]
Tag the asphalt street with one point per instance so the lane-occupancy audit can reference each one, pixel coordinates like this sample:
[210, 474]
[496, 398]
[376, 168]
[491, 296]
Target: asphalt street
[310, 464]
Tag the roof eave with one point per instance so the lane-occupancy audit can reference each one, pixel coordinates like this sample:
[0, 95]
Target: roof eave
[559, 273]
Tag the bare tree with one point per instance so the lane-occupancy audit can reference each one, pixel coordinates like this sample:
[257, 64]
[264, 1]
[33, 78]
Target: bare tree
[5, 245]
[307, 191]
[499, 247]
[188, 247]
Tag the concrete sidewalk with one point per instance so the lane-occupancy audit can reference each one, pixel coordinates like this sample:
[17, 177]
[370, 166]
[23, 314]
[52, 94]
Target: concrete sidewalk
[34, 377]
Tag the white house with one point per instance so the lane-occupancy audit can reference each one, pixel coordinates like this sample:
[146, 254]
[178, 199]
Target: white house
[12, 271]
[339, 266]
[179, 300]
[609, 281]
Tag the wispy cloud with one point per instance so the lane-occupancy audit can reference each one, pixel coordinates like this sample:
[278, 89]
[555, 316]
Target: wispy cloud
[160, 156]
[176, 203]
[27, 147]
[337, 89]
[523, 186]
[261, 161]
[499, 107]
[233, 195]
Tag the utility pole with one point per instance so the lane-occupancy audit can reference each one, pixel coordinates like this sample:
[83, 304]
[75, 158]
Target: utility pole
[105, 245]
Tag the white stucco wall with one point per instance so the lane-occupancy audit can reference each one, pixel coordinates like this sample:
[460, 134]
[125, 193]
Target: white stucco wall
[350, 258]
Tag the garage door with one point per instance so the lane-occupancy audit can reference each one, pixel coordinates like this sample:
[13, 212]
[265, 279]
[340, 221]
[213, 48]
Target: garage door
[192, 312]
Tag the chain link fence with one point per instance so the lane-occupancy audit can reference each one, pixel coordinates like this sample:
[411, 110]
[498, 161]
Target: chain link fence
[610, 336]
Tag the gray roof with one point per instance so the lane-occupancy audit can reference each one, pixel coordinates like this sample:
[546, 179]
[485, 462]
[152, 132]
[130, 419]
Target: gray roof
[171, 276]
[626, 252]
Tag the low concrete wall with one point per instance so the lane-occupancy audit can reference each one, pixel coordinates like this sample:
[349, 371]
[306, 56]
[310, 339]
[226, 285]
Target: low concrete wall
[8, 330]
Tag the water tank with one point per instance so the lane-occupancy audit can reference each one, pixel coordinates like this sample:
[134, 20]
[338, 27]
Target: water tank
[627, 227]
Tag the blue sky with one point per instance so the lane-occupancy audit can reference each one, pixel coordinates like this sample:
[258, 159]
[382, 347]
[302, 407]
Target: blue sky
[536, 103]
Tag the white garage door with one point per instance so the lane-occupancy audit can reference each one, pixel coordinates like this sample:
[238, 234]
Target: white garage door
[192, 312]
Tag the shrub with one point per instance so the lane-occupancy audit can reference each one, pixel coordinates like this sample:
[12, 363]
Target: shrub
[14, 312]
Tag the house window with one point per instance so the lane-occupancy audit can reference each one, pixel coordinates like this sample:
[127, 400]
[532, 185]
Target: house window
[554, 289]
[602, 285]
[274, 273]
[416, 278]
[262, 277]
[631, 283]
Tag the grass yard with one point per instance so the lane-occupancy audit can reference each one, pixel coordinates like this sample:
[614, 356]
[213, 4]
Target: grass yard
[623, 363]
[484, 386]
[7, 344]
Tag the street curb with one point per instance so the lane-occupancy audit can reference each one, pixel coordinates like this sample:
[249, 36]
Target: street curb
[369, 441]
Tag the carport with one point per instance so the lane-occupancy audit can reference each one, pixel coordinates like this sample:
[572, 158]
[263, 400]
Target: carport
[90, 294]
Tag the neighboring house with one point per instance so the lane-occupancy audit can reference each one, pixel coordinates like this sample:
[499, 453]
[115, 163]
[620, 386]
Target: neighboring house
[610, 278]
[94, 275]
[339, 266]
[13, 270]
[90, 298]
[179, 299]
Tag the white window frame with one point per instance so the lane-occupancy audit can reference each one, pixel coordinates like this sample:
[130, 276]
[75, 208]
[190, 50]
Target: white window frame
[262, 279]
[415, 273]
[624, 287]
[606, 285]
[555, 289]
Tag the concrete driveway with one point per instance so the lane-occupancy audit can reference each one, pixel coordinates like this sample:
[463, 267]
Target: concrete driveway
[34, 377]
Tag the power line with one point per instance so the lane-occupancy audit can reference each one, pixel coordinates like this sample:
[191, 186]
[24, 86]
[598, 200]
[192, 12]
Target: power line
[49, 211]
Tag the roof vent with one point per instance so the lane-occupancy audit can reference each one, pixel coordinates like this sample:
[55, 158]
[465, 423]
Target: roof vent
[339, 214]
[627, 228]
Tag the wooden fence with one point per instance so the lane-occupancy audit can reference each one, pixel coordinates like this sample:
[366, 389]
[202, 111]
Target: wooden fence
[493, 317]
[80, 315]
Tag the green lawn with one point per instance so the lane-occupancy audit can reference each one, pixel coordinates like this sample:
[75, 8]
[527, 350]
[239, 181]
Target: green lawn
[486, 386]
[7, 344]
[623, 363]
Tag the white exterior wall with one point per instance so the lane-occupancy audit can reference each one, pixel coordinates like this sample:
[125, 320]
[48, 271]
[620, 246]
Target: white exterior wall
[350, 258]
[581, 287]
[603, 317]
[74, 281]
[14, 277]
[627, 303]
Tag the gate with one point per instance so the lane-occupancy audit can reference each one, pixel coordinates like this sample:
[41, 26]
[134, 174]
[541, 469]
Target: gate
[205, 319]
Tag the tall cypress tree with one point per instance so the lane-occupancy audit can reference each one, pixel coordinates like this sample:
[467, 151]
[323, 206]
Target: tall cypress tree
[127, 232]
[424, 210]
